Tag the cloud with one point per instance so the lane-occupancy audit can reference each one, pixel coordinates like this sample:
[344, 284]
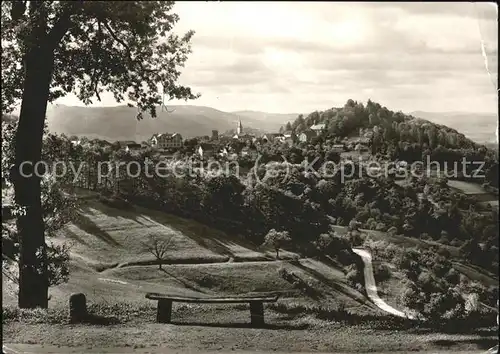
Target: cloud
[482, 11]
[303, 56]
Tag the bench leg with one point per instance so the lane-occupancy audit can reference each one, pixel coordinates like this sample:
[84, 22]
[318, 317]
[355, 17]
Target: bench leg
[256, 313]
[164, 313]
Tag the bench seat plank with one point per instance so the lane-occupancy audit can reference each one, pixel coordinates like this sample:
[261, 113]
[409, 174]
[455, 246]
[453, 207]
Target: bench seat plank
[226, 300]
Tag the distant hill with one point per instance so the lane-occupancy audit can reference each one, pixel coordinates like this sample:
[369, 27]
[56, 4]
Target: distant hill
[479, 127]
[119, 122]
[263, 116]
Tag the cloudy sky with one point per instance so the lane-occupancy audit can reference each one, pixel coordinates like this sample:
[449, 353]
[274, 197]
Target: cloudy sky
[306, 56]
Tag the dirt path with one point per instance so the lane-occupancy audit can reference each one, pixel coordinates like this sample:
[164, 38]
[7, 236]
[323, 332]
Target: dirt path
[371, 287]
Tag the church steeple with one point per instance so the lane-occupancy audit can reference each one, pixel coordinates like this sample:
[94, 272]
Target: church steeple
[239, 129]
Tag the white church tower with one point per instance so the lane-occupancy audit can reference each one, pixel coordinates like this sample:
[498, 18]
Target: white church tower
[239, 129]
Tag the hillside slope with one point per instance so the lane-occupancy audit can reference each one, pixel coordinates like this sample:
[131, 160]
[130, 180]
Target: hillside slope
[109, 262]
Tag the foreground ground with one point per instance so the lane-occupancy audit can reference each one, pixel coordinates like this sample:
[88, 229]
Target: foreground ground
[26, 348]
[204, 330]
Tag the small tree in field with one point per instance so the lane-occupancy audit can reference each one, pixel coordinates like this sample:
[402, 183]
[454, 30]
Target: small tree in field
[276, 239]
[158, 247]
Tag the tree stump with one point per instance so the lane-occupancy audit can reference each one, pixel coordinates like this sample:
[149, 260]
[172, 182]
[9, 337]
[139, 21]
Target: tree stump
[77, 308]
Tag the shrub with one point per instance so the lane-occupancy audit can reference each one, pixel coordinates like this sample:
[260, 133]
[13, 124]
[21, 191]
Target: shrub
[353, 276]
[355, 238]
[453, 277]
[441, 267]
[382, 272]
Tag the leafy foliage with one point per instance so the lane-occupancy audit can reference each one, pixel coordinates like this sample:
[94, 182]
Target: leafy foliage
[276, 239]
[123, 48]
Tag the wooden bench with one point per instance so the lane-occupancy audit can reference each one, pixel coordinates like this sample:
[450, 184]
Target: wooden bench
[164, 312]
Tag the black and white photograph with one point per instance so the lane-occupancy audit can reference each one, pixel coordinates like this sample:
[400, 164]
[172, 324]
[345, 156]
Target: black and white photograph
[249, 177]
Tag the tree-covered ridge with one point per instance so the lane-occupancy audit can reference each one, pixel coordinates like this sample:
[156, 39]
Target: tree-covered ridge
[347, 120]
[396, 136]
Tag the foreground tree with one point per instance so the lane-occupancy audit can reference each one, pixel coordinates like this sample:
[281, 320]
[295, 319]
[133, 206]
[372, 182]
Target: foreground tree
[276, 239]
[158, 247]
[58, 208]
[50, 49]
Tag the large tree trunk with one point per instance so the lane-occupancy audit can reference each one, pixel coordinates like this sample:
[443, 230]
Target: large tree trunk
[33, 277]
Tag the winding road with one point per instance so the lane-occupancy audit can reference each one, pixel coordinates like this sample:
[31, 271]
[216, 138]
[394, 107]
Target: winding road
[371, 287]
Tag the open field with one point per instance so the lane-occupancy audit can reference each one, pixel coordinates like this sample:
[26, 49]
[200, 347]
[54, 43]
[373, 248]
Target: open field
[106, 235]
[466, 187]
[473, 189]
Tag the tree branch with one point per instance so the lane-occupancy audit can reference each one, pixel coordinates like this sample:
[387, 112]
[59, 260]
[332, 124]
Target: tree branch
[63, 23]
[115, 37]
[94, 80]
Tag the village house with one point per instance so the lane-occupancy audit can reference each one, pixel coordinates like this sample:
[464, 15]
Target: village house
[338, 148]
[318, 128]
[206, 151]
[244, 137]
[134, 147]
[307, 136]
[364, 141]
[360, 147]
[129, 145]
[271, 137]
[224, 152]
[289, 137]
[166, 141]
[367, 133]
[249, 151]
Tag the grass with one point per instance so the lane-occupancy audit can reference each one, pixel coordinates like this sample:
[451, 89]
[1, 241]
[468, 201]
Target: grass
[102, 233]
[466, 187]
[226, 278]
[213, 328]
